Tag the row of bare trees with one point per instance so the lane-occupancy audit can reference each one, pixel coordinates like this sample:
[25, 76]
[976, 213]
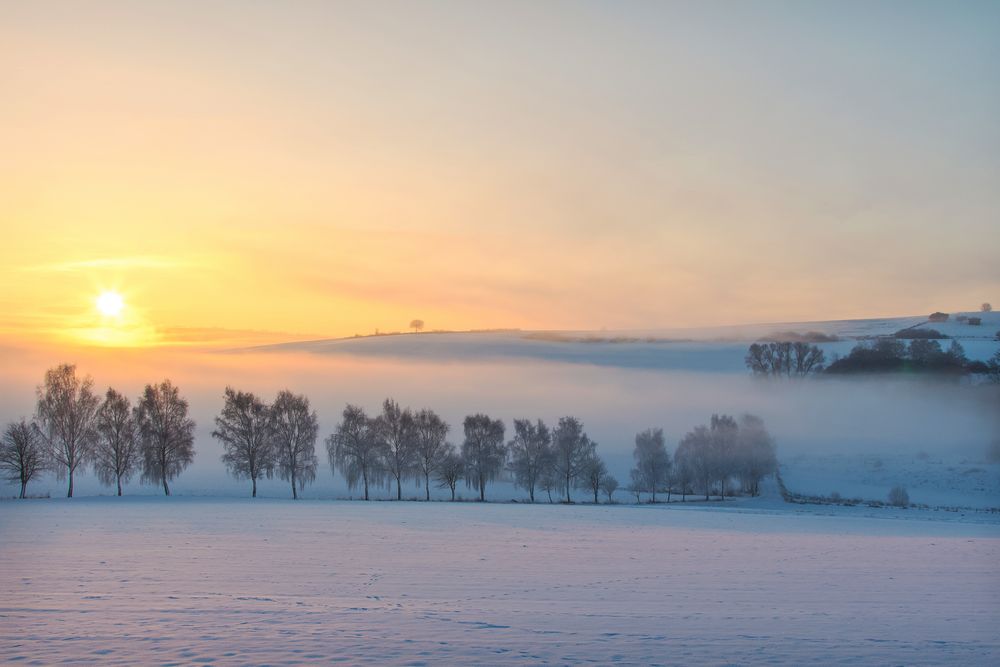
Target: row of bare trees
[723, 450]
[73, 427]
[400, 444]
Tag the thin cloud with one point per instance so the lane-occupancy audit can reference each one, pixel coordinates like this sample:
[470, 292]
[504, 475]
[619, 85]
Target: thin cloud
[130, 263]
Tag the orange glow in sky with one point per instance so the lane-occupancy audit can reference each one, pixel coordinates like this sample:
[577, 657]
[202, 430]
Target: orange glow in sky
[253, 173]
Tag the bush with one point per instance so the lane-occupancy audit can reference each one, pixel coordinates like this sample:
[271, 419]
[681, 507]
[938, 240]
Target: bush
[924, 334]
[898, 497]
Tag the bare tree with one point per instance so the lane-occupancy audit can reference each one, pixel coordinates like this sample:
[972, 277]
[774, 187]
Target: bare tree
[635, 485]
[116, 452]
[592, 474]
[531, 454]
[166, 433]
[244, 428]
[416, 325]
[294, 427]
[394, 430]
[483, 451]
[785, 358]
[430, 432]
[450, 470]
[694, 456]
[755, 456]
[65, 414]
[724, 431]
[986, 307]
[22, 453]
[609, 485]
[549, 480]
[683, 475]
[571, 450]
[652, 462]
[355, 450]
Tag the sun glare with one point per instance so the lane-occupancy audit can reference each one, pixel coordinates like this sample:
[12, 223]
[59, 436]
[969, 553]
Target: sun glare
[110, 304]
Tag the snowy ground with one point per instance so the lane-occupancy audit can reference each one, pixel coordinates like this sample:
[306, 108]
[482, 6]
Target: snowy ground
[190, 581]
[939, 480]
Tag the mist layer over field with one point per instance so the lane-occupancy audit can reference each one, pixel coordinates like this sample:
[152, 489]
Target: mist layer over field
[616, 389]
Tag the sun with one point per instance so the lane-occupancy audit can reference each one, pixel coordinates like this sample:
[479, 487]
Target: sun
[110, 303]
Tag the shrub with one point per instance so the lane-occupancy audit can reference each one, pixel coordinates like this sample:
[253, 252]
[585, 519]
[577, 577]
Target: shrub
[898, 497]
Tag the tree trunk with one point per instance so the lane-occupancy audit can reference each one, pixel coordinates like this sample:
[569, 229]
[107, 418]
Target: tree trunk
[668, 495]
[166, 489]
[654, 495]
[69, 493]
[531, 493]
[453, 494]
[295, 492]
[427, 485]
[482, 490]
[596, 500]
[365, 476]
[253, 480]
[399, 488]
[24, 485]
[119, 485]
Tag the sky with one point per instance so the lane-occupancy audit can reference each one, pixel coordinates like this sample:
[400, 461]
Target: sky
[266, 171]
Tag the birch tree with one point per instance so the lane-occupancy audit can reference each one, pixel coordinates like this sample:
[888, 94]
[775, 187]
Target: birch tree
[244, 428]
[483, 451]
[429, 431]
[571, 450]
[294, 427]
[22, 454]
[394, 430]
[65, 413]
[116, 452]
[166, 433]
[652, 462]
[530, 454]
[354, 449]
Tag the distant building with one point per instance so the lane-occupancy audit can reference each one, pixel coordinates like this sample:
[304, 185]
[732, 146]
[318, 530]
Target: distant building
[975, 321]
[938, 317]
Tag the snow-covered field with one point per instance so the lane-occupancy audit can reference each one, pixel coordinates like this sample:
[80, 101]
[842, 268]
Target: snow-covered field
[196, 581]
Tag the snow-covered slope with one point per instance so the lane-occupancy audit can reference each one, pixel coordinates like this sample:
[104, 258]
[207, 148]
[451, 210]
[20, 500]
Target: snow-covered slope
[716, 349]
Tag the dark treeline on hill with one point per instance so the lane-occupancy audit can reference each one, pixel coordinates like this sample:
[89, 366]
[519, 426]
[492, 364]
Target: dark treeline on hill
[154, 438]
[923, 354]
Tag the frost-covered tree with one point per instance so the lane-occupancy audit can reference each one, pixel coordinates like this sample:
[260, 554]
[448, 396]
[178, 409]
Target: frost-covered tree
[592, 474]
[755, 455]
[571, 450]
[724, 431]
[355, 450]
[609, 485]
[784, 358]
[530, 454]
[430, 432]
[993, 368]
[22, 453]
[294, 427]
[549, 480]
[694, 455]
[635, 485]
[244, 427]
[682, 475]
[65, 413]
[116, 450]
[166, 433]
[394, 430]
[450, 470]
[483, 451]
[652, 462]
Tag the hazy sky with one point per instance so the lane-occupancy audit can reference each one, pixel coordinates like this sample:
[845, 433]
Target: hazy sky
[330, 168]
